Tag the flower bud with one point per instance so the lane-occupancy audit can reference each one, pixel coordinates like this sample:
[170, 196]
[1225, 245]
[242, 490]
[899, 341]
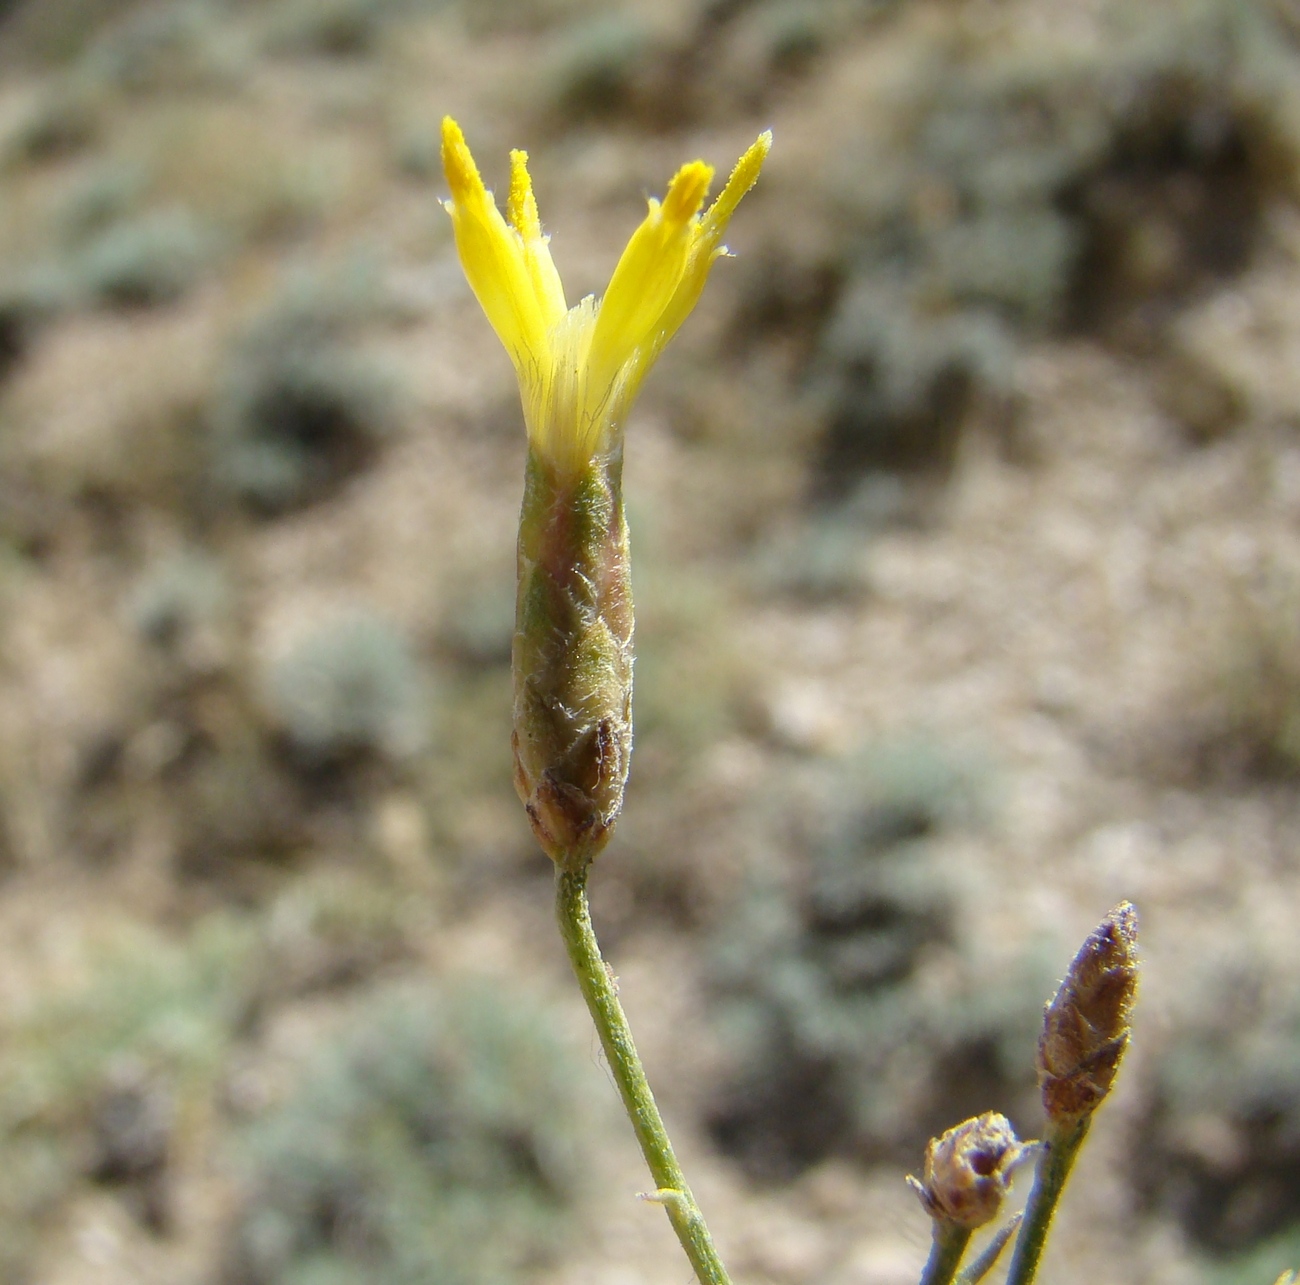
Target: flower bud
[1086, 1026]
[579, 370]
[572, 656]
[968, 1170]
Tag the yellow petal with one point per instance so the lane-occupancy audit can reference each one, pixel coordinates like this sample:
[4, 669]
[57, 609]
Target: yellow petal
[493, 256]
[522, 212]
[743, 177]
[648, 274]
[708, 246]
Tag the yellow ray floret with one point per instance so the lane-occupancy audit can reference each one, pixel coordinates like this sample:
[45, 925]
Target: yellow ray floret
[580, 368]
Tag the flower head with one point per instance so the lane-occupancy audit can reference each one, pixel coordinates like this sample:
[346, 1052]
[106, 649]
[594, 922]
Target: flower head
[580, 368]
[968, 1169]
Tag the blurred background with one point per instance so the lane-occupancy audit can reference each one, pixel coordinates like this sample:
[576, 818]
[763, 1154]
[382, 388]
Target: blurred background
[966, 518]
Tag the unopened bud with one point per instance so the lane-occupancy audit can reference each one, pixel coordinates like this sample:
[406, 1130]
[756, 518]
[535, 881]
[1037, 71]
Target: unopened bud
[967, 1171]
[572, 656]
[1086, 1026]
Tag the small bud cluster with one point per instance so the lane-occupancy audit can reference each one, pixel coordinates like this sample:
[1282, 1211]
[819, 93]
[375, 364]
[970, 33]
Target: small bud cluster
[967, 1171]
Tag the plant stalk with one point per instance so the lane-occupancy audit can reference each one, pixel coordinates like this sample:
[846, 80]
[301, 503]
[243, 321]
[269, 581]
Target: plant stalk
[946, 1250]
[987, 1260]
[601, 993]
[1061, 1147]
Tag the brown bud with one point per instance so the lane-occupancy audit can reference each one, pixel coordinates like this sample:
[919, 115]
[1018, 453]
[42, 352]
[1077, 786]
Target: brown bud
[572, 657]
[1086, 1026]
[967, 1171]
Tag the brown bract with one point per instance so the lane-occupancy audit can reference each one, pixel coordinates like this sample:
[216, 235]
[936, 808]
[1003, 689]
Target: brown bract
[968, 1169]
[1086, 1026]
[572, 657]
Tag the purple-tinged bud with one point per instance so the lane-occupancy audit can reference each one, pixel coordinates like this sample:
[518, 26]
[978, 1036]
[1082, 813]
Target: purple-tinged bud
[1086, 1026]
[968, 1170]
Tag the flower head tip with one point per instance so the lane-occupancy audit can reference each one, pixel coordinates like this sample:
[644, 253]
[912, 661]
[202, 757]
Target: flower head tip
[580, 368]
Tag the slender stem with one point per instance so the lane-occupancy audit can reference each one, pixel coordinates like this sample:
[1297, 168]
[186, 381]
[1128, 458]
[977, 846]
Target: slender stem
[1061, 1146]
[601, 994]
[946, 1250]
[987, 1260]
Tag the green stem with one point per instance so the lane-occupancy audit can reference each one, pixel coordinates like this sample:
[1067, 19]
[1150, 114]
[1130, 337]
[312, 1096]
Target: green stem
[601, 994]
[985, 1263]
[1061, 1147]
[946, 1250]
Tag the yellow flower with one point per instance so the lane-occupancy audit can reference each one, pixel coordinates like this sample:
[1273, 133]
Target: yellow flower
[580, 368]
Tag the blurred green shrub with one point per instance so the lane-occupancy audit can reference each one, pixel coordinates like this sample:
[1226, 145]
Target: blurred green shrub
[1233, 712]
[237, 770]
[57, 31]
[692, 677]
[821, 559]
[167, 48]
[715, 59]
[1013, 183]
[28, 298]
[902, 384]
[480, 628]
[334, 28]
[64, 119]
[349, 688]
[598, 66]
[145, 261]
[437, 1138]
[98, 1077]
[187, 754]
[845, 1040]
[1219, 1142]
[177, 597]
[1270, 1261]
[300, 407]
[108, 192]
[329, 929]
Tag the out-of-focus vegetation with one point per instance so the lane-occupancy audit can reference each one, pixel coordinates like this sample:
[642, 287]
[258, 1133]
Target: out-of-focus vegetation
[436, 1137]
[1218, 1145]
[858, 1020]
[989, 430]
[107, 1079]
[298, 407]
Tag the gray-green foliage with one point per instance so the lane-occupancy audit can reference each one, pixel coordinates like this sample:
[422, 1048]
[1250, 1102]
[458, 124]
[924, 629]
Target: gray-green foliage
[300, 406]
[152, 259]
[350, 686]
[106, 193]
[838, 1049]
[481, 623]
[437, 1138]
[715, 60]
[107, 249]
[1271, 1260]
[63, 120]
[177, 596]
[29, 297]
[1019, 184]
[169, 47]
[152, 1020]
[822, 558]
[335, 28]
[1220, 1144]
[596, 65]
